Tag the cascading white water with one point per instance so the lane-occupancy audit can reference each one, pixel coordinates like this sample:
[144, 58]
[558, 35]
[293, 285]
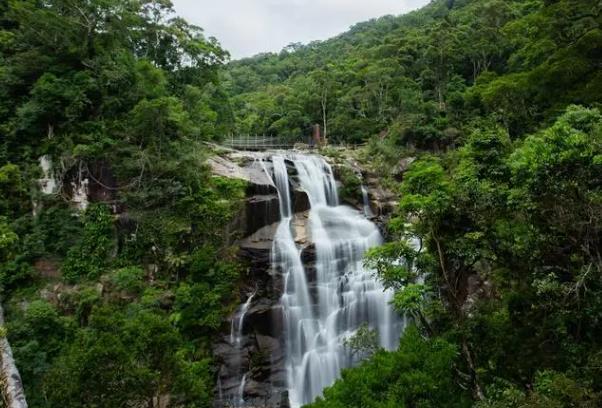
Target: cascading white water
[320, 315]
[236, 335]
[237, 323]
[241, 390]
[366, 201]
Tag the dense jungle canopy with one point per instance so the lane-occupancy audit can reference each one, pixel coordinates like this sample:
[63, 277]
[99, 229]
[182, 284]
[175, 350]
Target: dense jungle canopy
[498, 100]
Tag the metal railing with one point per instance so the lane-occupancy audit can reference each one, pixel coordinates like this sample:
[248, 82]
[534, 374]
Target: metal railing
[259, 142]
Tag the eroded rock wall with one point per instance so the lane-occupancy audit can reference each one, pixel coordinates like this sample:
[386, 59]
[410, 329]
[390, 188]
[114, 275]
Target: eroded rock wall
[251, 358]
[256, 350]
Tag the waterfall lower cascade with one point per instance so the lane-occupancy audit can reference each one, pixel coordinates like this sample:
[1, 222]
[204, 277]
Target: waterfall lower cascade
[321, 311]
[236, 335]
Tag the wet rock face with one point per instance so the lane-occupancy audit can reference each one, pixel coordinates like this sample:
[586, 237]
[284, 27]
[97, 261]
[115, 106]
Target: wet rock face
[382, 202]
[260, 351]
[260, 210]
[250, 352]
[81, 184]
[403, 166]
[261, 205]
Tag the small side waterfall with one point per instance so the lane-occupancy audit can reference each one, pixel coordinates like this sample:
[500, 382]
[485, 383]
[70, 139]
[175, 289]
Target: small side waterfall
[237, 323]
[241, 390]
[320, 314]
[366, 202]
[236, 335]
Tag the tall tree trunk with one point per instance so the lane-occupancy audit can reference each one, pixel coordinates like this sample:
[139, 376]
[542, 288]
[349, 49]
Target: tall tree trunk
[477, 391]
[12, 386]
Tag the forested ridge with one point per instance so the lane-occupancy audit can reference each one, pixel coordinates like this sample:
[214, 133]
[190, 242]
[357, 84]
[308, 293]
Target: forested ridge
[116, 305]
[497, 103]
[424, 77]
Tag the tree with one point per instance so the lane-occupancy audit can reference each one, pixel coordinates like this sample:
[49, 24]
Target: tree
[417, 374]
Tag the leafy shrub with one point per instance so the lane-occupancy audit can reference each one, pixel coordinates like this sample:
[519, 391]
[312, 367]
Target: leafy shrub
[129, 279]
[363, 343]
[351, 184]
[551, 389]
[91, 254]
[418, 374]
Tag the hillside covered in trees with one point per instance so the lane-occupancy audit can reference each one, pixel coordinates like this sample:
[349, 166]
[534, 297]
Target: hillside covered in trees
[425, 77]
[115, 300]
[115, 305]
[499, 100]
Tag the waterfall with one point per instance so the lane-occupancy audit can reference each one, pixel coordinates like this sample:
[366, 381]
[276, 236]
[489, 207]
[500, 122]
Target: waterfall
[236, 329]
[241, 390]
[366, 202]
[320, 314]
[236, 335]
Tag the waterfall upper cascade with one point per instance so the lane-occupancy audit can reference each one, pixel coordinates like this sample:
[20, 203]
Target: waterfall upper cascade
[320, 313]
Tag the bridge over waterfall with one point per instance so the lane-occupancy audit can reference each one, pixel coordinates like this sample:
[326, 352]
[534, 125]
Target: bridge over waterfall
[260, 142]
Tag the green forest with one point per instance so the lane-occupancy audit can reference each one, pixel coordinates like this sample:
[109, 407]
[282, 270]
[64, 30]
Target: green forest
[117, 303]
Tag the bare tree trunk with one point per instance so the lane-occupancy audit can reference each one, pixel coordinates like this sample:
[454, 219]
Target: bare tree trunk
[456, 304]
[477, 391]
[12, 386]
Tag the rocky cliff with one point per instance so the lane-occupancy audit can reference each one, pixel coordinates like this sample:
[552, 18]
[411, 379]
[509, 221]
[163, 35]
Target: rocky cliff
[252, 343]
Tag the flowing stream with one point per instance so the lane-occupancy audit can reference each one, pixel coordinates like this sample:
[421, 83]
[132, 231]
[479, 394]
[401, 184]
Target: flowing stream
[321, 312]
